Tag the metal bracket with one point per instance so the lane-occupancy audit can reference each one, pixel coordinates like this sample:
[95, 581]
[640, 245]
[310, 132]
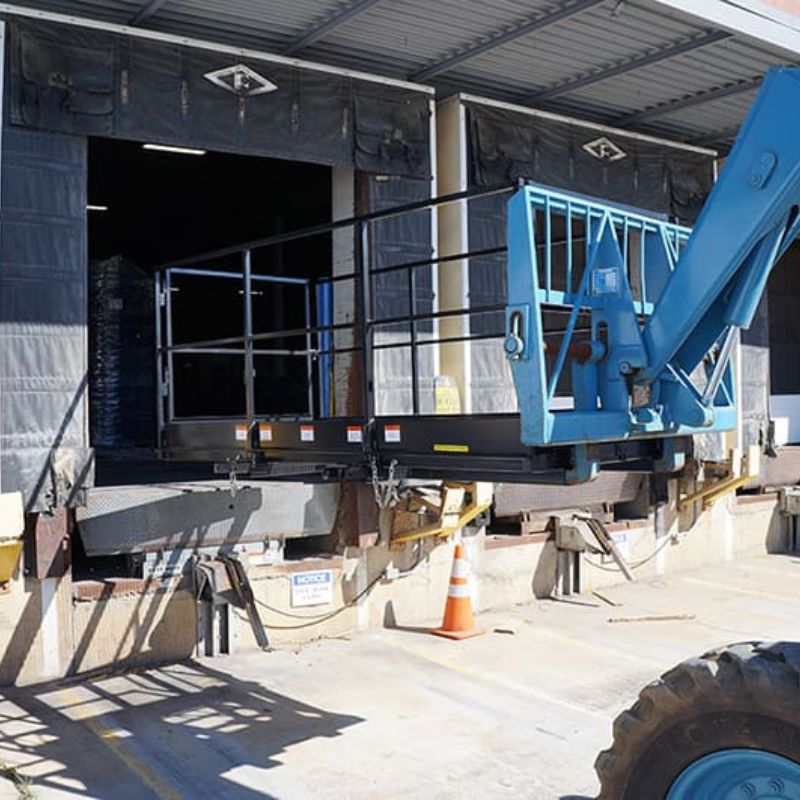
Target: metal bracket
[244, 593]
[223, 581]
[583, 468]
[710, 494]
[570, 536]
[451, 513]
[672, 459]
[386, 495]
[606, 542]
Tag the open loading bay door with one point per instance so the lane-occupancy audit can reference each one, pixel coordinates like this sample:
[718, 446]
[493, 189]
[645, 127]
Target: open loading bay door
[80, 104]
[146, 207]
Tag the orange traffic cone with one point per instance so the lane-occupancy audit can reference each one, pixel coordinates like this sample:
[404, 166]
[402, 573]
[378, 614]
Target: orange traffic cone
[458, 622]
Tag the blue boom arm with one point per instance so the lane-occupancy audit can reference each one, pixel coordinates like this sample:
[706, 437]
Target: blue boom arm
[622, 325]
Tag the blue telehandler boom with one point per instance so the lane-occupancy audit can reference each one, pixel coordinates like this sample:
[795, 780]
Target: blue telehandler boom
[646, 315]
[652, 311]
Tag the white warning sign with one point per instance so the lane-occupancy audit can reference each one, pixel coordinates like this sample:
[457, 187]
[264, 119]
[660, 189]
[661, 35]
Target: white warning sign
[354, 434]
[306, 433]
[391, 433]
[312, 588]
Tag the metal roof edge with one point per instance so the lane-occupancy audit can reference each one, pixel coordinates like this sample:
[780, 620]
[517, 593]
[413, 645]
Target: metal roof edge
[595, 126]
[766, 9]
[756, 20]
[202, 44]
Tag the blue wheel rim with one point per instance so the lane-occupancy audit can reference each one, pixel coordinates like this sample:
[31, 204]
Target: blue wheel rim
[738, 775]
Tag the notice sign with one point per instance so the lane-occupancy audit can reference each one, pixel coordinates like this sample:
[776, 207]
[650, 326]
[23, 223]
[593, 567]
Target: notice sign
[312, 588]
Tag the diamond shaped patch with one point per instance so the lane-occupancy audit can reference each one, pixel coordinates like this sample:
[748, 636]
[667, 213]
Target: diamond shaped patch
[241, 80]
[603, 149]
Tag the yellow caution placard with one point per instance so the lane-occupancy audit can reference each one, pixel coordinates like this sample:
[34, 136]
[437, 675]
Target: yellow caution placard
[451, 448]
[448, 400]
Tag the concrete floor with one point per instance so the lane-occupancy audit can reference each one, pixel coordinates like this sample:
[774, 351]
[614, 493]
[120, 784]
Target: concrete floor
[394, 712]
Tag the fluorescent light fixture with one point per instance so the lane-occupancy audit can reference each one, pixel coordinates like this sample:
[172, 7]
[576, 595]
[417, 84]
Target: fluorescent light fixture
[168, 148]
[96, 208]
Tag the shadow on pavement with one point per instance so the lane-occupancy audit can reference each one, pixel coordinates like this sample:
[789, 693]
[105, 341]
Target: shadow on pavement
[180, 731]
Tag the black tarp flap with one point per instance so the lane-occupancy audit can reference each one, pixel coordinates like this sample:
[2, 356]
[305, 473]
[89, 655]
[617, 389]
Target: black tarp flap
[392, 132]
[69, 87]
[505, 145]
[75, 80]
[401, 239]
[43, 436]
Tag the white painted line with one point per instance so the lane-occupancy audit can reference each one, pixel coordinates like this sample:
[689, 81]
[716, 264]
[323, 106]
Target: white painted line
[489, 677]
[613, 653]
[725, 587]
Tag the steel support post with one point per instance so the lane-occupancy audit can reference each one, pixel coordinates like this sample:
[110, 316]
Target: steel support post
[249, 364]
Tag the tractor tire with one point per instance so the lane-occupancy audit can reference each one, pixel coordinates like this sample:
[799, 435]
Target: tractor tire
[741, 697]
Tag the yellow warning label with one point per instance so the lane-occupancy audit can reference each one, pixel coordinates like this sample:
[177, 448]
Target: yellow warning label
[451, 448]
[447, 398]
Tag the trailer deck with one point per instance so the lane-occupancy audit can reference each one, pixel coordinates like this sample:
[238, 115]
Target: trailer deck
[420, 431]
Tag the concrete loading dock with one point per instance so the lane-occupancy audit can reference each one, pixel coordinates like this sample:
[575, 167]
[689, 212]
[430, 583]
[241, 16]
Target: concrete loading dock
[120, 559]
[521, 712]
[106, 582]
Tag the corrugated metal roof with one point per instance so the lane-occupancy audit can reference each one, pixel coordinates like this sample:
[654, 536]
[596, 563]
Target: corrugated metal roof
[689, 75]
[577, 45]
[273, 24]
[400, 38]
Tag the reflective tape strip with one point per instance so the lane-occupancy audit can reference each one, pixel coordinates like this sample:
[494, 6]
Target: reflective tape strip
[460, 568]
[458, 590]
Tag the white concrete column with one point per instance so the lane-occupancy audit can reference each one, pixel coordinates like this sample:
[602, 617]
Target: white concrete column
[343, 207]
[453, 239]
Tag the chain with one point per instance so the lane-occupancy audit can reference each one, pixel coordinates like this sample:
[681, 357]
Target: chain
[376, 487]
[234, 486]
[392, 485]
[386, 495]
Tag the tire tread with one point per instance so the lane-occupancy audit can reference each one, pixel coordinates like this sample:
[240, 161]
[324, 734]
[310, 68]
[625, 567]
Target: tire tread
[752, 676]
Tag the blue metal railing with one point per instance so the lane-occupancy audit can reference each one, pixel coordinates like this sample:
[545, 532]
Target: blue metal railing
[608, 288]
[579, 216]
